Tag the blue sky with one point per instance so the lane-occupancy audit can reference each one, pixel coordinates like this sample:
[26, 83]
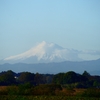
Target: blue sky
[69, 23]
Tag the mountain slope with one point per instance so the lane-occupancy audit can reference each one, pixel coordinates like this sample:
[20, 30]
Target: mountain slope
[45, 52]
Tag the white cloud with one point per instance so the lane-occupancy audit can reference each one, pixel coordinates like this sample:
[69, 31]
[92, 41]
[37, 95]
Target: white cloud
[91, 52]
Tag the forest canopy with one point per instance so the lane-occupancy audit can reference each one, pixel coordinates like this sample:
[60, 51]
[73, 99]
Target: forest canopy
[84, 80]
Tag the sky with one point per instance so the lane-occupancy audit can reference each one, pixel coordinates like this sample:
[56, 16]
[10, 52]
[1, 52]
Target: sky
[68, 23]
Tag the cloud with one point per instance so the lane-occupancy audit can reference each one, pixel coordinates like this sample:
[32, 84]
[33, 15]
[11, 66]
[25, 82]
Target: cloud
[91, 52]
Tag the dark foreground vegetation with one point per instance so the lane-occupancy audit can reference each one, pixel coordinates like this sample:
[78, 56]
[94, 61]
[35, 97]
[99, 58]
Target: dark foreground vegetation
[61, 86]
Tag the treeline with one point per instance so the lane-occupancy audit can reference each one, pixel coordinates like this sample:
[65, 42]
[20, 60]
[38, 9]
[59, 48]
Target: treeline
[75, 80]
[69, 79]
[11, 78]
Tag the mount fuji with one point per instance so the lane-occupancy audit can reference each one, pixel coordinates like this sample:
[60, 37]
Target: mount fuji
[44, 53]
[50, 58]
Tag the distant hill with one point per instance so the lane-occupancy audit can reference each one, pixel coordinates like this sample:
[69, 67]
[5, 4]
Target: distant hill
[93, 67]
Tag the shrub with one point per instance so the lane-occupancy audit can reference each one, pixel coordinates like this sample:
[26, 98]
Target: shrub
[91, 92]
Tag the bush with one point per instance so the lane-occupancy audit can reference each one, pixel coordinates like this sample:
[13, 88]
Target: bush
[3, 90]
[92, 92]
[47, 89]
[25, 89]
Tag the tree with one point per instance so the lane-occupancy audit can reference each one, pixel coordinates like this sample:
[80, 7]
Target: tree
[7, 78]
[26, 77]
[59, 78]
[39, 79]
[71, 77]
[85, 73]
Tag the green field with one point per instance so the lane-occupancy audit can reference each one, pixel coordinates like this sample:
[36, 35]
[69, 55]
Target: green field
[43, 92]
[16, 97]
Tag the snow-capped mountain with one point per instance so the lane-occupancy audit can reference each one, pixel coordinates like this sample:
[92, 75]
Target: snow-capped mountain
[45, 52]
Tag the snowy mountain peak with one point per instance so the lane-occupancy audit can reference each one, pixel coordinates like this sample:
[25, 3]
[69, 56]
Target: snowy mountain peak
[48, 45]
[45, 52]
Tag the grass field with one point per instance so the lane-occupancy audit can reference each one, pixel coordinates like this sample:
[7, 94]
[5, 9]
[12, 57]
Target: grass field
[16, 97]
[8, 93]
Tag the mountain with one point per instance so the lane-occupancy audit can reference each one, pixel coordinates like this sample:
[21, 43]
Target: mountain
[50, 58]
[43, 53]
[93, 67]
